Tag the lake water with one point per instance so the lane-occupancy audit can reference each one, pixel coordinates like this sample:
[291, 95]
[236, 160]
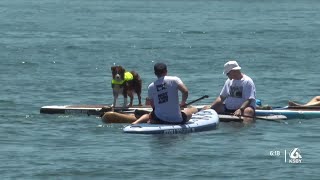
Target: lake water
[60, 52]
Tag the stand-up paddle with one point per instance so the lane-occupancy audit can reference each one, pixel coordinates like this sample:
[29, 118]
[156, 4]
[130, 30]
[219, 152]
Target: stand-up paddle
[138, 112]
[230, 117]
[205, 96]
[130, 115]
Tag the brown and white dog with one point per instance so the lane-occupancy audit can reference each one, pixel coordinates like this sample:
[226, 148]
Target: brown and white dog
[125, 83]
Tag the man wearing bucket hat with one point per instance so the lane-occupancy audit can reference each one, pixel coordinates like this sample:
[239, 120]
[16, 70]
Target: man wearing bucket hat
[238, 95]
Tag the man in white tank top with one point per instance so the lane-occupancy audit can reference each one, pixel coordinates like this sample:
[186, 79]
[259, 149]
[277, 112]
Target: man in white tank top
[164, 98]
[238, 95]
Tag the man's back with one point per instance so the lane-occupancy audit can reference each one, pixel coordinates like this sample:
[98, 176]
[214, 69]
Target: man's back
[164, 93]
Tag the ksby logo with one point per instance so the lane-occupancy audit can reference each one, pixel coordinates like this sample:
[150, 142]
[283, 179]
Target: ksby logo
[295, 156]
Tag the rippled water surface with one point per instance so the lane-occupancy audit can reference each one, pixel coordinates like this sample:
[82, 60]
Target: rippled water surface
[60, 52]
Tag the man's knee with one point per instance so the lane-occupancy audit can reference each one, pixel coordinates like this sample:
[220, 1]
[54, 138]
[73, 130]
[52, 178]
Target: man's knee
[249, 110]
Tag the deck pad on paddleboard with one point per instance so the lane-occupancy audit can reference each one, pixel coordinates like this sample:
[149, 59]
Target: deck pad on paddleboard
[201, 121]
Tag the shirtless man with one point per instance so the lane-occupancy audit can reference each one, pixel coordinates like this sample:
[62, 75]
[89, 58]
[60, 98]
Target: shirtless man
[313, 102]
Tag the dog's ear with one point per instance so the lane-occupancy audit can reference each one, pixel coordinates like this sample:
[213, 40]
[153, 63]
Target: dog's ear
[123, 70]
[113, 68]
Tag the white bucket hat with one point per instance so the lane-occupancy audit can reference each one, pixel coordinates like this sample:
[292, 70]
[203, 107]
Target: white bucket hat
[231, 65]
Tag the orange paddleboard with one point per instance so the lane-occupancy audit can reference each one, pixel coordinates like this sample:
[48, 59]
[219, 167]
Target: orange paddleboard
[114, 117]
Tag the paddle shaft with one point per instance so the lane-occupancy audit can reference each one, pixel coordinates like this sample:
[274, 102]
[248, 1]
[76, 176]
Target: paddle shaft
[126, 110]
[267, 118]
[132, 109]
[205, 96]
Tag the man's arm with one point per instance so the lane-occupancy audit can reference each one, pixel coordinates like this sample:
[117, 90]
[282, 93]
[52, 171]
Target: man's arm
[185, 92]
[244, 105]
[219, 100]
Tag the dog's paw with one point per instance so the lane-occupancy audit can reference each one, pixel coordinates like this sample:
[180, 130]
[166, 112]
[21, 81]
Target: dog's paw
[126, 105]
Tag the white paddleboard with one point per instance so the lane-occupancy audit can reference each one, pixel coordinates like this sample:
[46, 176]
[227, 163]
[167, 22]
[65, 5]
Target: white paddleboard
[201, 121]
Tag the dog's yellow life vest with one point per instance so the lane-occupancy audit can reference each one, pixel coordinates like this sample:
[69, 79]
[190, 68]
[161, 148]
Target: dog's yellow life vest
[127, 77]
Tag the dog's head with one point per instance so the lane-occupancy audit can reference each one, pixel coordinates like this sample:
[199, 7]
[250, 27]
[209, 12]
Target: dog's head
[118, 73]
